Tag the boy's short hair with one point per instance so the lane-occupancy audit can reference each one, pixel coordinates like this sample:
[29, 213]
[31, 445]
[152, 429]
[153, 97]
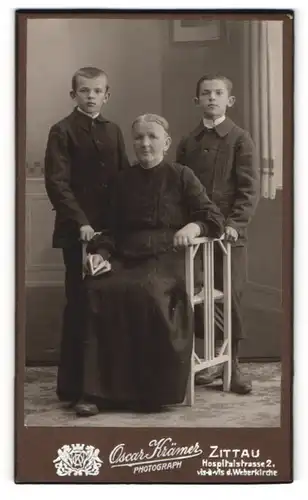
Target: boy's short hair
[150, 117]
[210, 77]
[88, 72]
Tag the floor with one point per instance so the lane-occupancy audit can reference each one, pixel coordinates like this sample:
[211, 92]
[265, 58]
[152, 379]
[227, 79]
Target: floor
[212, 408]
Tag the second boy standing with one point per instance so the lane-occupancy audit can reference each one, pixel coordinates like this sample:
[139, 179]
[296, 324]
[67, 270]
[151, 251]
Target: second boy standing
[223, 156]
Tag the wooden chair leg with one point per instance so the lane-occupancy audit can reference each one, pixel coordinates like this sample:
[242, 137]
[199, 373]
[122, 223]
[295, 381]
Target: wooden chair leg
[227, 375]
[190, 391]
[189, 271]
[227, 316]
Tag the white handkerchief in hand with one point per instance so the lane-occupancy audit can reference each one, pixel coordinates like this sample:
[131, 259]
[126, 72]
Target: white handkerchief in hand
[103, 267]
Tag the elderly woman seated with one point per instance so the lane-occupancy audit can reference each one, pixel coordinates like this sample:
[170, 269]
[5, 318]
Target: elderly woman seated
[140, 322]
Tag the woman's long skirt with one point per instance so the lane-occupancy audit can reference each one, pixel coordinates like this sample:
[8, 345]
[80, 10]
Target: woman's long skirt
[140, 329]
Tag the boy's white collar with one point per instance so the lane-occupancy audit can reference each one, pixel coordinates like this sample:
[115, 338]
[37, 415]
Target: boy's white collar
[87, 114]
[213, 123]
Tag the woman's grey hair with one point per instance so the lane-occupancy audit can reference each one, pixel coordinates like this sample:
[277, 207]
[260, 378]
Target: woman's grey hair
[149, 117]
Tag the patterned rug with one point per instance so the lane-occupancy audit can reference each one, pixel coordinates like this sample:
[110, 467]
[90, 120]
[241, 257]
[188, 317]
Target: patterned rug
[212, 408]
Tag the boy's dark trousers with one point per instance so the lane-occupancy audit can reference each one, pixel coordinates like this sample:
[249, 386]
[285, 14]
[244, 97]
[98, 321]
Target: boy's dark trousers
[70, 370]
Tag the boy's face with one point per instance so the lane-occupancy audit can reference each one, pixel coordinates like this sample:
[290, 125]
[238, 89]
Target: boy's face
[214, 98]
[150, 143]
[91, 93]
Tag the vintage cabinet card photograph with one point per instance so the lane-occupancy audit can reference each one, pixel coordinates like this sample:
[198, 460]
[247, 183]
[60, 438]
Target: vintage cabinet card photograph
[154, 246]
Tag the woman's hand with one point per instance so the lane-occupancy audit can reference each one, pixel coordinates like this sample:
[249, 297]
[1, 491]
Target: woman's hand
[186, 235]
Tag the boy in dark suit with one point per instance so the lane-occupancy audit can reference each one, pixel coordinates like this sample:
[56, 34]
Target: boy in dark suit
[223, 156]
[84, 152]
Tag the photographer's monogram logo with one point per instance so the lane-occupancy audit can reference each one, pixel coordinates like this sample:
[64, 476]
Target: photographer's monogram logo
[78, 460]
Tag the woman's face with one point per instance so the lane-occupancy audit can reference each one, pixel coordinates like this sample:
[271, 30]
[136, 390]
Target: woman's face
[150, 143]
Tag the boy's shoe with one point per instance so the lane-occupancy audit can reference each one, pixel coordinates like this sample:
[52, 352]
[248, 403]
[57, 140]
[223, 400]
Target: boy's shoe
[84, 409]
[209, 375]
[239, 383]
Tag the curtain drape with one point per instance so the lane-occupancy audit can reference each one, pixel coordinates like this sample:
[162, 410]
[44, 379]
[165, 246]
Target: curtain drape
[263, 98]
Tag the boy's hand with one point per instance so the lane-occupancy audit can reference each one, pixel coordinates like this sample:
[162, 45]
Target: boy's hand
[186, 235]
[231, 234]
[86, 233]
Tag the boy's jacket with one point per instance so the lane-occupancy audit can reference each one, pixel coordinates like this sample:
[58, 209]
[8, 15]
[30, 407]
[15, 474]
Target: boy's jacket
[224, 159]
[82, 157]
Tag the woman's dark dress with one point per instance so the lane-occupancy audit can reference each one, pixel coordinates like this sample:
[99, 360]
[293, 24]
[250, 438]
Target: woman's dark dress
[140, 331]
